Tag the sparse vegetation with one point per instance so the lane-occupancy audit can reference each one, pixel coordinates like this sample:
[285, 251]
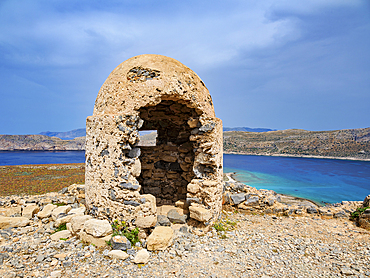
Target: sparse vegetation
[222, 226]
[356, 214]
[121, 229]
[39, 179]
[62, 227]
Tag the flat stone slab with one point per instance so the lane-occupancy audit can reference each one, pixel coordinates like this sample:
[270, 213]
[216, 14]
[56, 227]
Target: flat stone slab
[13, 222]
[160, 238]
[98, 228]
[61, 234]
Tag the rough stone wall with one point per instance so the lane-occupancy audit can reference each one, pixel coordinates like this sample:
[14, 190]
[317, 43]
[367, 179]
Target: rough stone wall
[124, 181]
[112, 166]
[167, 168]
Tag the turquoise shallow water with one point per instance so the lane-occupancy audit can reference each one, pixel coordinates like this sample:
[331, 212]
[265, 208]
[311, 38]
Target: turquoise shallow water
[320, 180]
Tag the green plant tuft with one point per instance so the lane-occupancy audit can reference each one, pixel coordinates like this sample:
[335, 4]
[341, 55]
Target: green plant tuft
[222, 226]
[62, 227]
[356, 214]
[121, 229]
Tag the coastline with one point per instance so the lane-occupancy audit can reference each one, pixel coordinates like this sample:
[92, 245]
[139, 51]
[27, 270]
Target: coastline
[302, 156]
[289, 199]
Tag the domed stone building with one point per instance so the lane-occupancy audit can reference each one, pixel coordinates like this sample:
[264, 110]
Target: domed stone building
[129, 182]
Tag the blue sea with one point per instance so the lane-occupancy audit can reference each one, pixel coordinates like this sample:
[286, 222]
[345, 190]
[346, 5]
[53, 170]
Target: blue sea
[41, 157]
[320, 180]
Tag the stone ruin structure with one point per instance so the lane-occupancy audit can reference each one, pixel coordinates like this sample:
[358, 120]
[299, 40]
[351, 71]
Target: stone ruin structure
[129, 182]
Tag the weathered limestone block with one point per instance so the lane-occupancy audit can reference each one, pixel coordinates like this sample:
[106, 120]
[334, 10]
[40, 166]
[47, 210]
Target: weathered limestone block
[78, 221]
[200, 214]
[13, 222]
[60, 210]
[98, 228]
[160, 238]
[146, 221]
[61, 234]
[46, 211]
[66, 219]
[30, 210]
[11, 211]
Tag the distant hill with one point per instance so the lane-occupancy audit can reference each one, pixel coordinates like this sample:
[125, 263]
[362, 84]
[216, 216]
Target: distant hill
[40, 143]
[346, 143]
[248, 129]
[68, 135]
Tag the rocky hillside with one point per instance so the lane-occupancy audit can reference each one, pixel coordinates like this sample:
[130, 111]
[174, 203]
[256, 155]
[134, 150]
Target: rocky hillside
[68, 135]
[348, 143]
[39, 143]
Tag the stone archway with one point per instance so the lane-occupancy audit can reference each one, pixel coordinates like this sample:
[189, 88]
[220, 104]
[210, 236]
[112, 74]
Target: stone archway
[126, 181]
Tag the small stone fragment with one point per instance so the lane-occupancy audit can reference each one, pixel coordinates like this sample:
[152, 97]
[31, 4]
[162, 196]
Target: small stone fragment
[118, 254]
[120, 243]
[142, 257]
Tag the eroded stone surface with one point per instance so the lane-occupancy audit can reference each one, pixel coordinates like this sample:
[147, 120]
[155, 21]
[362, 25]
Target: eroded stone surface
[160, 238]
[152, 92]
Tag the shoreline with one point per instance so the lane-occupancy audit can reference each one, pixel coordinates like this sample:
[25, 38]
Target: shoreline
[290, 198]
[302, 156]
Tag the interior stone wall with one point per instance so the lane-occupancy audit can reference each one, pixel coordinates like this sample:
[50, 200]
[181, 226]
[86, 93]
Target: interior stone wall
[167, 168]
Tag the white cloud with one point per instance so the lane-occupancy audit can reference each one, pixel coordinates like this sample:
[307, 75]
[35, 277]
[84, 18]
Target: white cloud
[48, 38]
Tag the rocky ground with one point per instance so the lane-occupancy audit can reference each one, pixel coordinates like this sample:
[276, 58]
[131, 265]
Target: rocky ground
[245, 243]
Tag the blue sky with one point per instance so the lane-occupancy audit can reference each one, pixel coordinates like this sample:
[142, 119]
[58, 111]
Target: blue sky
[275, 63]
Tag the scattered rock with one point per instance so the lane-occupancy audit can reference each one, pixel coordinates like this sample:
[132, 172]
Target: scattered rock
[237, 198]
[46, 211]
[162, 220]
[60, 210]
[160, 238]
[30, 210]
[120, 243]
[98, 228]
[200, 214]
[146, 221]
[61, 234]
[175, 218]
[78, 222]
[13, 222]
[142, 257]
[118, 254]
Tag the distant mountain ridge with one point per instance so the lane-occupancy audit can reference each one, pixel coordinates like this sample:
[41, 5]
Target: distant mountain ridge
[248, 129]
[39, 142]
[345, 143]
[80, 132]
[67, 135]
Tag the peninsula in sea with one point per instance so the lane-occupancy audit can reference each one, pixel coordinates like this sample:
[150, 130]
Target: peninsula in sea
[345, 144]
